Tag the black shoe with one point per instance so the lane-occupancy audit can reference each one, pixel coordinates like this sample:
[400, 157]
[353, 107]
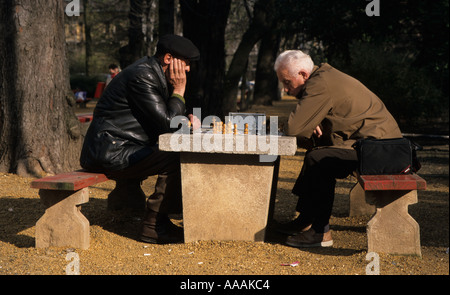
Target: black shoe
[127, 195]
[293, 227]
[158, 229]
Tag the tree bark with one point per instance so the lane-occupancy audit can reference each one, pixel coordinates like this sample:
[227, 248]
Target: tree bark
[39, 132]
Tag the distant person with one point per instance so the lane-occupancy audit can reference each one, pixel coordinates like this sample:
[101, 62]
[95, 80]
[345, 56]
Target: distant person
[80, 96]
[334, 110]
[113, 71]
[121, 141]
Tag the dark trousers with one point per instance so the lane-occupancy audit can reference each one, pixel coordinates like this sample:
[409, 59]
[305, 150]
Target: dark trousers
[167, 195]
[316, 183]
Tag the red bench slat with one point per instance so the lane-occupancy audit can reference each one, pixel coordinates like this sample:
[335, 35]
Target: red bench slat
[69, 181]
[85, 118]
[392, 182]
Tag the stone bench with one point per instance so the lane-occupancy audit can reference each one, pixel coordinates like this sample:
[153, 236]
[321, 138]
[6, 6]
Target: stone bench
[63, 224]
[391, 229]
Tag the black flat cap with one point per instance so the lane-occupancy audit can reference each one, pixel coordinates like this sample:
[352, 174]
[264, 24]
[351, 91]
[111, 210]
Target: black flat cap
[178, 46]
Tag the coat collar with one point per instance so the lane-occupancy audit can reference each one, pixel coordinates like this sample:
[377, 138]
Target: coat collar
[313, 73]
[156, 65]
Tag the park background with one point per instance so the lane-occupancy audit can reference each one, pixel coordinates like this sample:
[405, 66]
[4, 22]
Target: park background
[49, 48]
[401, 55]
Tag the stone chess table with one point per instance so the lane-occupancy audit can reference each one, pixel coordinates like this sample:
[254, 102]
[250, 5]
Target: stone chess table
[228, 182]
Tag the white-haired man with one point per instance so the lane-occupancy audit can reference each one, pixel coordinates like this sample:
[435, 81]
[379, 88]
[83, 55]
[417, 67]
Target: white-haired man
[334, 110]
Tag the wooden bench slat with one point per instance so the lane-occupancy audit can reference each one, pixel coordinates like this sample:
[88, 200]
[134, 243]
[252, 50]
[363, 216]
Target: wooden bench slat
[71, 181]
[392, 182]
[85, 118]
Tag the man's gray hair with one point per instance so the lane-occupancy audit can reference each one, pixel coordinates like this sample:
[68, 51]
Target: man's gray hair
[294, 61]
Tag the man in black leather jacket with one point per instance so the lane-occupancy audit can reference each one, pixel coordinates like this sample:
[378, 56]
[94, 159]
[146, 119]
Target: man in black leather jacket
[135, 108]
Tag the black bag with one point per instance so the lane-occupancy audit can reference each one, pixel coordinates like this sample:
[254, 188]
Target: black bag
[387, 156]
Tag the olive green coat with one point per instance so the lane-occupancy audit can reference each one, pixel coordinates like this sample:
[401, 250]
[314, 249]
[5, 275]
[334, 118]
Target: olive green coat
[344, 109]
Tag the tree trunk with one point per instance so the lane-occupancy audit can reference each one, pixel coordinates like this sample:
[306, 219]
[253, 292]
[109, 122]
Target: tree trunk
[204, 24]
[245, 93]
[266, 81]
[151, 25]
[135, 47]
[39, 131]
[263, 12]
[87, 35]
[166, 17]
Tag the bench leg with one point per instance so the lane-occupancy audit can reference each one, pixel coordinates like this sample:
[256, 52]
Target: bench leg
[359, 206]
[62, 223]
[392, 230]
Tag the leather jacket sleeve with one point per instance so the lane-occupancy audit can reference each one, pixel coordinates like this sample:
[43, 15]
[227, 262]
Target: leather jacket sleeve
[134, 110]
[149, 105]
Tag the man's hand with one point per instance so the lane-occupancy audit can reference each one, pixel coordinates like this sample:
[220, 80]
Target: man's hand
[195, 122]
[177, 75]
[317, 132]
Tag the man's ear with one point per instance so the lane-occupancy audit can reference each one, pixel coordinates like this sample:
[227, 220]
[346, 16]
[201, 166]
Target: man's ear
[305, 74]
[167, 59]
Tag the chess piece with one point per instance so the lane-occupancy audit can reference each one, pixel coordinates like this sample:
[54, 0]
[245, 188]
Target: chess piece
[229, 127]
[246, 128]
[214, 126]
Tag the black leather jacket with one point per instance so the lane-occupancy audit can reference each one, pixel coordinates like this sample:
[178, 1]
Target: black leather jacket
[133, 111]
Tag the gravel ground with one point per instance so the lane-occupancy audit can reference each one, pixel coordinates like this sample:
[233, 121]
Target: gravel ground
[115, 250]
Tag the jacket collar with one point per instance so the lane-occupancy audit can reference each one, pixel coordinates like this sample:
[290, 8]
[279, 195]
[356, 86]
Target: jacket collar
[156, 65]
[313, 73]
